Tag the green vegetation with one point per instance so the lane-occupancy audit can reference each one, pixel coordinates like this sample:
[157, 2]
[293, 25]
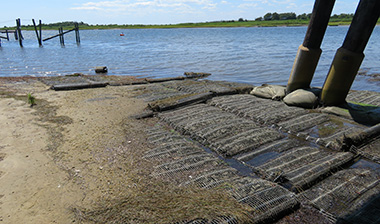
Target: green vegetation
[283, 16]
[31, 100]
[268, 20]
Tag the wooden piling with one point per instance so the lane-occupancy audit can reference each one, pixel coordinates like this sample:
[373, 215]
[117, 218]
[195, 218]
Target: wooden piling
[20, 38]
[61, 37]
[77, 38]
[39, 38]
[40, 29]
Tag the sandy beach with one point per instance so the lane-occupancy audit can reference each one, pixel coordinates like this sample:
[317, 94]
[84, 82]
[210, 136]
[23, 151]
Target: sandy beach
[52, 159]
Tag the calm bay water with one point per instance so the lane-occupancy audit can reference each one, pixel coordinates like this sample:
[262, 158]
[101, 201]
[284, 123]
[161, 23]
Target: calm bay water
[254, 55]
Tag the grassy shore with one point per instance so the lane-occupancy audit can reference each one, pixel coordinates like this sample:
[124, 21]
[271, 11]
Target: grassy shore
[232, 23]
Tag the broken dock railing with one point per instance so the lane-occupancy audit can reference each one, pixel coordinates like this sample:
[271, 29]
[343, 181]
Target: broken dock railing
[62, 33]
[38, 29]
[7, 32]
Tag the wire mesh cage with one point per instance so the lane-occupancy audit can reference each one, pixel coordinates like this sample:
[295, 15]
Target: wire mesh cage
[260, 110]
[301, 166]
[186, 163]
[364, 97]
[344, 192]
[222, 131]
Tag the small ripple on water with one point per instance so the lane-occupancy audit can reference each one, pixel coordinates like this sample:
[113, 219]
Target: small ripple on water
[251, 55]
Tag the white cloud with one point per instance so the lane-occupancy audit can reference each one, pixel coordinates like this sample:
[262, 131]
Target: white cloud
[248, 5]
[127, 4]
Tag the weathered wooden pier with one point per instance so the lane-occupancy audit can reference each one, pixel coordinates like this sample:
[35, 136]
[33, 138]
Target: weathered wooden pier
[7, 32]
[38, 30]
[61, 34]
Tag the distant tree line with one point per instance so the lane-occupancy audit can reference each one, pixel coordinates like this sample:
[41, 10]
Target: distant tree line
[343, 16]
[291, 16]
[61, 24]
[274, 19]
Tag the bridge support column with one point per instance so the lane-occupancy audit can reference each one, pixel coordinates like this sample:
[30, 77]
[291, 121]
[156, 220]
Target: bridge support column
[309, 52]
[349, 57]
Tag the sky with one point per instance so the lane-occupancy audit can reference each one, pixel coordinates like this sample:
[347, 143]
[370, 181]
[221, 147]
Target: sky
[153, 11]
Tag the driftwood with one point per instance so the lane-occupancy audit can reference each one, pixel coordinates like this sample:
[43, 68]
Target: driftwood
[75, 86]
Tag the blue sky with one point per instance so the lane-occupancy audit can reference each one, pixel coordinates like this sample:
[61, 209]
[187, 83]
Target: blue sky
[153, 11]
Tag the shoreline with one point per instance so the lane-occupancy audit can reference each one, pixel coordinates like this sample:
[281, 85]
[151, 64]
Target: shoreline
[191, 27]
[217, 24]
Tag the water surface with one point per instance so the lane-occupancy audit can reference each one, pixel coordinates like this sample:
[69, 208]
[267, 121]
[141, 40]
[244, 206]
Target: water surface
[254, 55]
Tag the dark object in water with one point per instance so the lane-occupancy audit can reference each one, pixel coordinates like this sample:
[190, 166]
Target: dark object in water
[101, 69]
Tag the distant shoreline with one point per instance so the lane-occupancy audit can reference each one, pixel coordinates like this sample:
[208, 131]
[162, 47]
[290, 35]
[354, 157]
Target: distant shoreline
[218, 24]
